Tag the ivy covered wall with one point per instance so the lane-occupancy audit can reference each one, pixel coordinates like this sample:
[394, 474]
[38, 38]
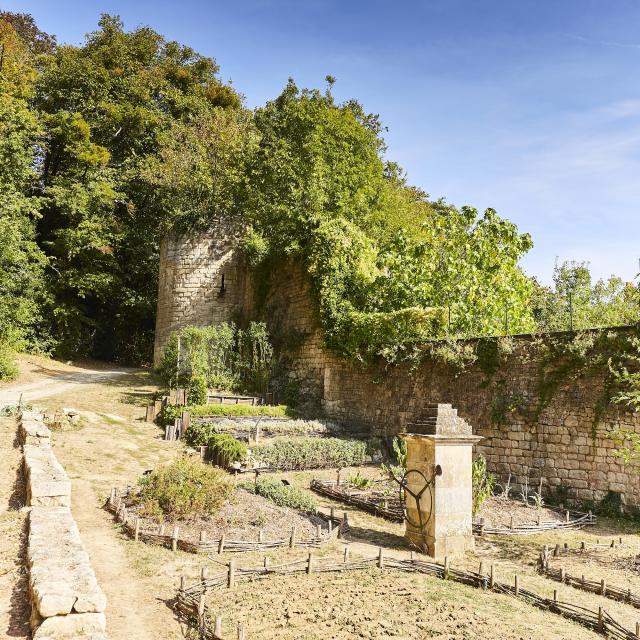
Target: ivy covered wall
[544, 404]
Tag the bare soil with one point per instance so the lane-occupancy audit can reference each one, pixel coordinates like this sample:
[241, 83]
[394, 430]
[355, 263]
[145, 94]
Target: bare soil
[374, 604]
[497, 512]
[112, 445]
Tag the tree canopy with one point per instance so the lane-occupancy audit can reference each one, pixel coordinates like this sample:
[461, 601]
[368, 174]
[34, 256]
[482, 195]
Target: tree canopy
[107, 146]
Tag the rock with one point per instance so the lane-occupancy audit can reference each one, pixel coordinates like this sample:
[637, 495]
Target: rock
[61, 580]
[47, 481]
[73, 627]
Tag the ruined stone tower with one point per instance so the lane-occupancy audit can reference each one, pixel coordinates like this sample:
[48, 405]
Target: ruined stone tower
[201, 282]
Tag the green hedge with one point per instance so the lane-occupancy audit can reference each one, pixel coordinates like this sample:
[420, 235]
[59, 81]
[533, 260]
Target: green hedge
[311, 453]
[281, 494]
[225, 449]
[171, 412]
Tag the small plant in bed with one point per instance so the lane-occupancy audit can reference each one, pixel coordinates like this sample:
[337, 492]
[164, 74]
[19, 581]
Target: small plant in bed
[170, 412]
[225, 449]
[311, 453]
[184, 489]
[281, 494]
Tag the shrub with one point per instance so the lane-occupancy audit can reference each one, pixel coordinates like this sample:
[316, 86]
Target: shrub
[8, 368]
[197, 391]
[225, 356]
[170, 412]
[225, 449]
[281, 494]
[483, 482]
[311, 453]
[184, 489]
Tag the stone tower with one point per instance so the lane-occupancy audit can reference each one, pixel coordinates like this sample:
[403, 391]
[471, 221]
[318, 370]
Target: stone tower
[201, 282]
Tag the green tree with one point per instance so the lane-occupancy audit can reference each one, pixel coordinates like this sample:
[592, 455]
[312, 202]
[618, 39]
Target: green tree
[384, 260]
[21, 261]
[575, 300]
[123, 164]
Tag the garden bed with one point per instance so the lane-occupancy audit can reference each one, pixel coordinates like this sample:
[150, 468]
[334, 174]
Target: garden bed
[497, 515]
[245, 517]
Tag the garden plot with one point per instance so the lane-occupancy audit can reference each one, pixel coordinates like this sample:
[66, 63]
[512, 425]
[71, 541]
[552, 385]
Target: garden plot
[245, 516]
[376, 605]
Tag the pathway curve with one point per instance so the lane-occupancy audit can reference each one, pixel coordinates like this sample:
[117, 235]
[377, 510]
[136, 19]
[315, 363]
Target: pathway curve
[58, 384]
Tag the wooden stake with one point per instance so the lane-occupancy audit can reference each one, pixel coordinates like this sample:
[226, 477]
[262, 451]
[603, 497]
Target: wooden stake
[492, 576]
[511, 524]
[346, 554]
[174, 539]
[260, 535]
[380, 558]
[338, 478]
[555, 595]
[310, 563]
[600, 619]
[201, 611]
[203, 575]
[203, 536]
[217, 630]
[266, 562]
[603, 587]
[637, 629]
[318, 531]
[182, 582]
[481, 568]
[112, 497]
[568, 516]
[516, 585]
[221, 545]
[556, 551]
[231, 581]
[446, 567]
[562, 575]
[292, 539]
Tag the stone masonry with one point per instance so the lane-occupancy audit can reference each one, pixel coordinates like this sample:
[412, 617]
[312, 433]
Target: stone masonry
[558, 444]
[66, 600]
[201, 282]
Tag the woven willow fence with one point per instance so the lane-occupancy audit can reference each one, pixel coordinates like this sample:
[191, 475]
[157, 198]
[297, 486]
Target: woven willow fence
[336, 528]
[599, 587]
[389, 508]
[392, 509]
[191, 606]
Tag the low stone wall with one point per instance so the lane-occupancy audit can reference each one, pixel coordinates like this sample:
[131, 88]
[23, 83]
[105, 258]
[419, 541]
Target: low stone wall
[66, 600]
[47, 482]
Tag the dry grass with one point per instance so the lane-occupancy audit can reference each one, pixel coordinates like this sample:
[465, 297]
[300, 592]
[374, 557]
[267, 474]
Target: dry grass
[14, 608]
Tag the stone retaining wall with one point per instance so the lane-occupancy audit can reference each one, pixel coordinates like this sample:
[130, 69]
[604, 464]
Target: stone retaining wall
[66, 600]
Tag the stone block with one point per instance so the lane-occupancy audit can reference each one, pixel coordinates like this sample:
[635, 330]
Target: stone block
[46, 480]
[61, 580]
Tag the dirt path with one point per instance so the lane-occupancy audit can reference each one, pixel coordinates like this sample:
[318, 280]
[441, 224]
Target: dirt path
[132, 609]
[14, 607]
[57, 385]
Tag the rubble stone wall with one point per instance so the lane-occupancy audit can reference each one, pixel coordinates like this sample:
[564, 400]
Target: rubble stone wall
[66, 600]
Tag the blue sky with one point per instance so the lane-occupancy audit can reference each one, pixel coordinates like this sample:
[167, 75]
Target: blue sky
[528, 106]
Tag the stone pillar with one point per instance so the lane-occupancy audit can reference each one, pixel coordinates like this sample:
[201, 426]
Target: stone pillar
[439, 448]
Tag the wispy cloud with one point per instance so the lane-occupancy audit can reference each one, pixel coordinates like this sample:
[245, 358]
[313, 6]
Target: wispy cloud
[603, 43]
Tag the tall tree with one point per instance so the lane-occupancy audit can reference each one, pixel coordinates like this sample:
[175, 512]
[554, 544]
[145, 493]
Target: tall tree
[114, 109]
[21, 261]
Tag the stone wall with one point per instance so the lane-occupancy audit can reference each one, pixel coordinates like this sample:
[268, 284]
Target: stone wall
[201, 282]
[559, 444]
[66, 600]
